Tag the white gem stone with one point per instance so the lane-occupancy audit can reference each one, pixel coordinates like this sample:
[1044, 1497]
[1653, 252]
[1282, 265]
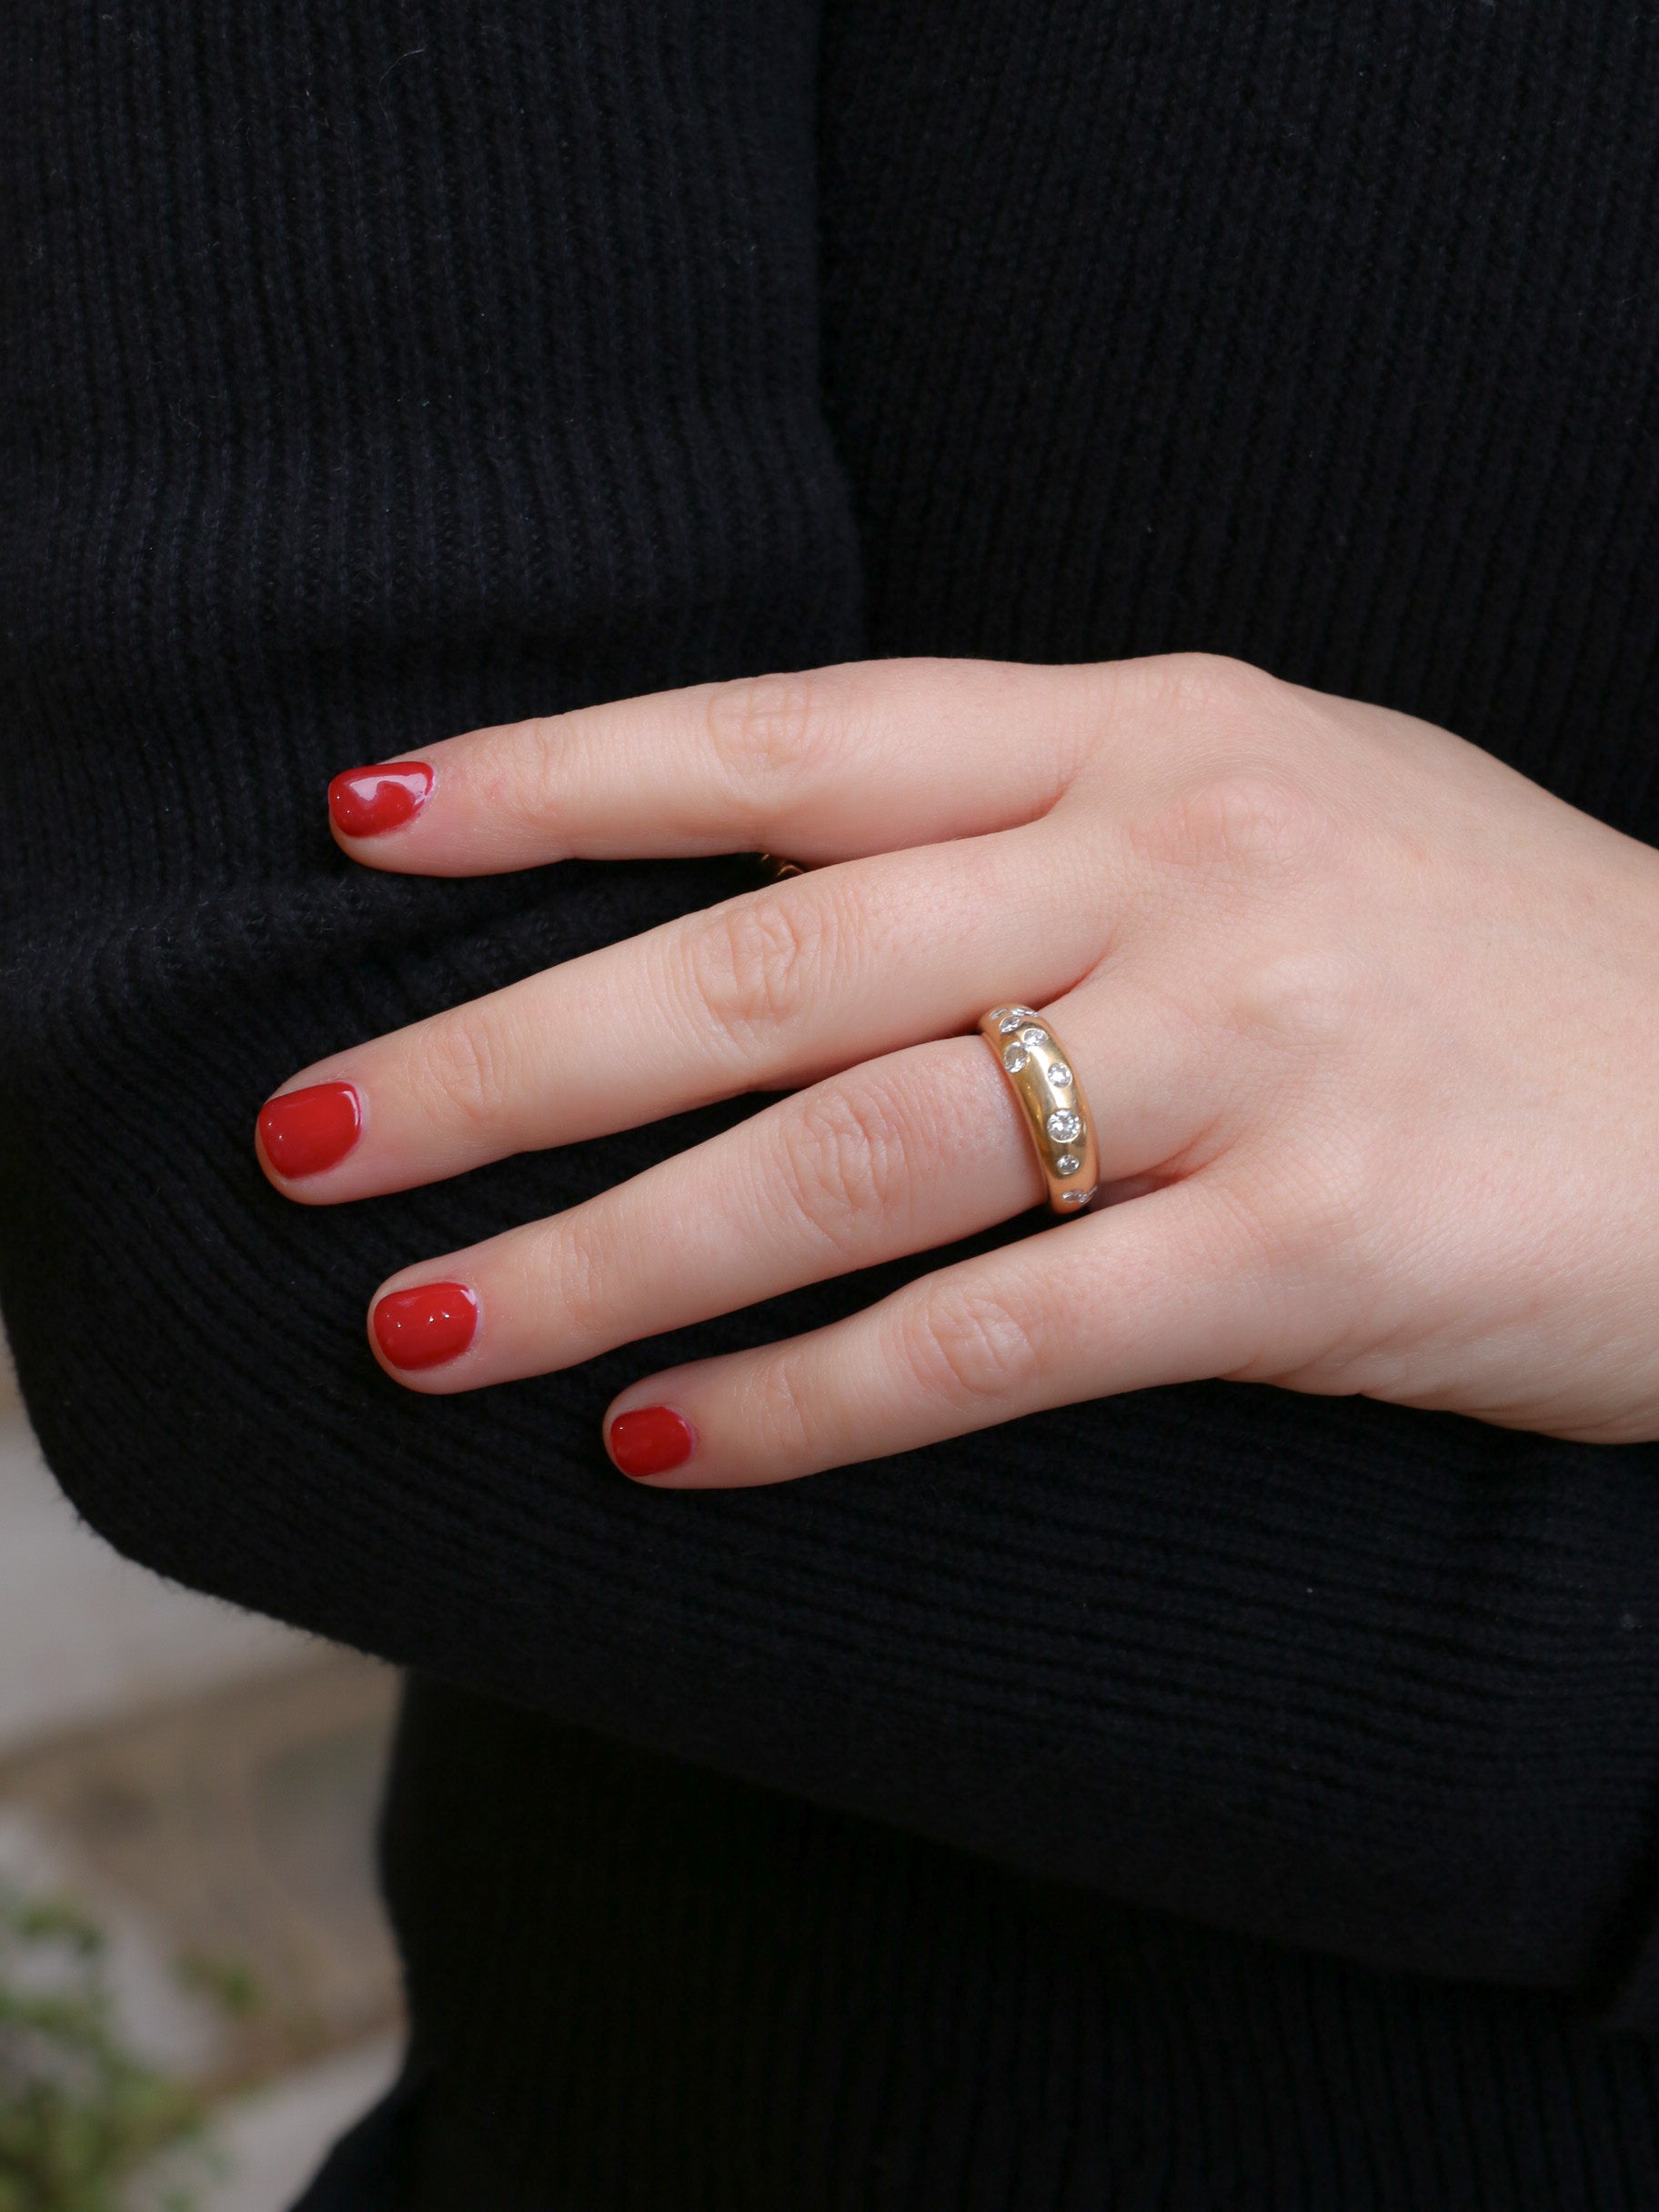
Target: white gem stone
[1067, 1164]
[1059, 1075]
[1013, 1018]
[1034, 1036]
[1077, 1197]
[1063, 1126]
[1015, 1057]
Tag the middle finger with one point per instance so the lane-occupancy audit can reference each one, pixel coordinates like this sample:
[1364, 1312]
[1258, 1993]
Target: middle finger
[765, 992]
[901, 1155]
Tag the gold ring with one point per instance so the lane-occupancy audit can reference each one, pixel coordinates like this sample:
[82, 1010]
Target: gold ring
[1040, 1073]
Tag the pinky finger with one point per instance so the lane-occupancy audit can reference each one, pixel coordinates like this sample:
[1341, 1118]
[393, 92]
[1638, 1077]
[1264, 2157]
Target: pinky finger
[1162, 1289]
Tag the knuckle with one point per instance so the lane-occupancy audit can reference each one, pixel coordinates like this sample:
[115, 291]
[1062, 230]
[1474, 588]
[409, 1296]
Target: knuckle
[1289, 1223]
[1213, 688]
[1244, 822]
[1247, 805]
[969, 1346]
[762, 730]
[846, 1156]
[1306, 1001]
[756, 962]
[461, 1070]
[1342, 1189]
[532, 777]
[521, 772]
[777, 1407]
[570, 1275]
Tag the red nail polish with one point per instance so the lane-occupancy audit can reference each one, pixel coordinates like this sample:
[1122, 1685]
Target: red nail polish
[650, 1439]
[305, 1132]
[426, 1326]
[368, 801]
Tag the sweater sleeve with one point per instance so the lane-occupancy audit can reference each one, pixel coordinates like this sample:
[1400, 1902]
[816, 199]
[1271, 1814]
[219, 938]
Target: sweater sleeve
[375, 372]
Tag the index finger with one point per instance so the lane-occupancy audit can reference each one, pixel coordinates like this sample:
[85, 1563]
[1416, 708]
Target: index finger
[830, 764]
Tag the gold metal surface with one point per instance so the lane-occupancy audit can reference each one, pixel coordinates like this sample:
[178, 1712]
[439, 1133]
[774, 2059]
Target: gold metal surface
[1043, 1077]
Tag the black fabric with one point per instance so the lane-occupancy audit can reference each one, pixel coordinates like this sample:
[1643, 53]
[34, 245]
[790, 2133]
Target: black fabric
[373, 372]
[372, 2168]
[738, 2002]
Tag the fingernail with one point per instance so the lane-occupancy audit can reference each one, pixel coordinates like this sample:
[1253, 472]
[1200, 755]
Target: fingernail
[650, 1439]
[305, 1132]
[426, 1326]
[368, 801]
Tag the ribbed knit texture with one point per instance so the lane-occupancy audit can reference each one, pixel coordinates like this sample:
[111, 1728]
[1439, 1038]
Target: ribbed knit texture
[372, 372]
[736, 2002]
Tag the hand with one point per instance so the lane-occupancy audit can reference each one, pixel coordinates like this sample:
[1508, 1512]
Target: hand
[1369, 1026]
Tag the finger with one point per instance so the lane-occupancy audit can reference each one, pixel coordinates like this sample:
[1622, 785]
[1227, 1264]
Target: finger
[1165, 1289]
[830, 764]
[901, 1155]
[763, 992]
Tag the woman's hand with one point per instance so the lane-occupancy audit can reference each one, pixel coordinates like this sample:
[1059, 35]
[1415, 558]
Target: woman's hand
[1369, 1023]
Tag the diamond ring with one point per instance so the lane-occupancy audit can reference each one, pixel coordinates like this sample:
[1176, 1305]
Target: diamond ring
[1040, 1073]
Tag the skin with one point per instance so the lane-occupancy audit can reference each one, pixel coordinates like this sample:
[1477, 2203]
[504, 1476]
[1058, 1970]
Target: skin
[1369, 1024]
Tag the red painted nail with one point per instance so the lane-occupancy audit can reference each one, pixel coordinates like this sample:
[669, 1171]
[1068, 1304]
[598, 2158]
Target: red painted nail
[426, 1326]
[305, 1132]
[650, 1439]
[368, 801]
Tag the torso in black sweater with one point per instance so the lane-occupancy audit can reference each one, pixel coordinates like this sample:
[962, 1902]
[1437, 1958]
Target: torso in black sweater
[1221, 1797]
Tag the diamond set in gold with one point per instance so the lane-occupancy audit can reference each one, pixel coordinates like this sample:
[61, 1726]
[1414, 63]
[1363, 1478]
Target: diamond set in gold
[1040, 1076]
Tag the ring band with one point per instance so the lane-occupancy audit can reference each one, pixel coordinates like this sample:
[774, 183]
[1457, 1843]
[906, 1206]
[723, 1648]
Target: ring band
[1040, 1074]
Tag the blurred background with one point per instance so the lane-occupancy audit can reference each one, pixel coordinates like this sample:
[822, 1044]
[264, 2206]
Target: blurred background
[198, 1991]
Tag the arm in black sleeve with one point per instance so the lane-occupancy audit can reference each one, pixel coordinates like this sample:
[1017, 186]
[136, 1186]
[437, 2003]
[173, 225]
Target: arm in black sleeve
[376, 372]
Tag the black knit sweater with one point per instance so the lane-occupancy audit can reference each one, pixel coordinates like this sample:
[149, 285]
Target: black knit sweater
[1210, 1798]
